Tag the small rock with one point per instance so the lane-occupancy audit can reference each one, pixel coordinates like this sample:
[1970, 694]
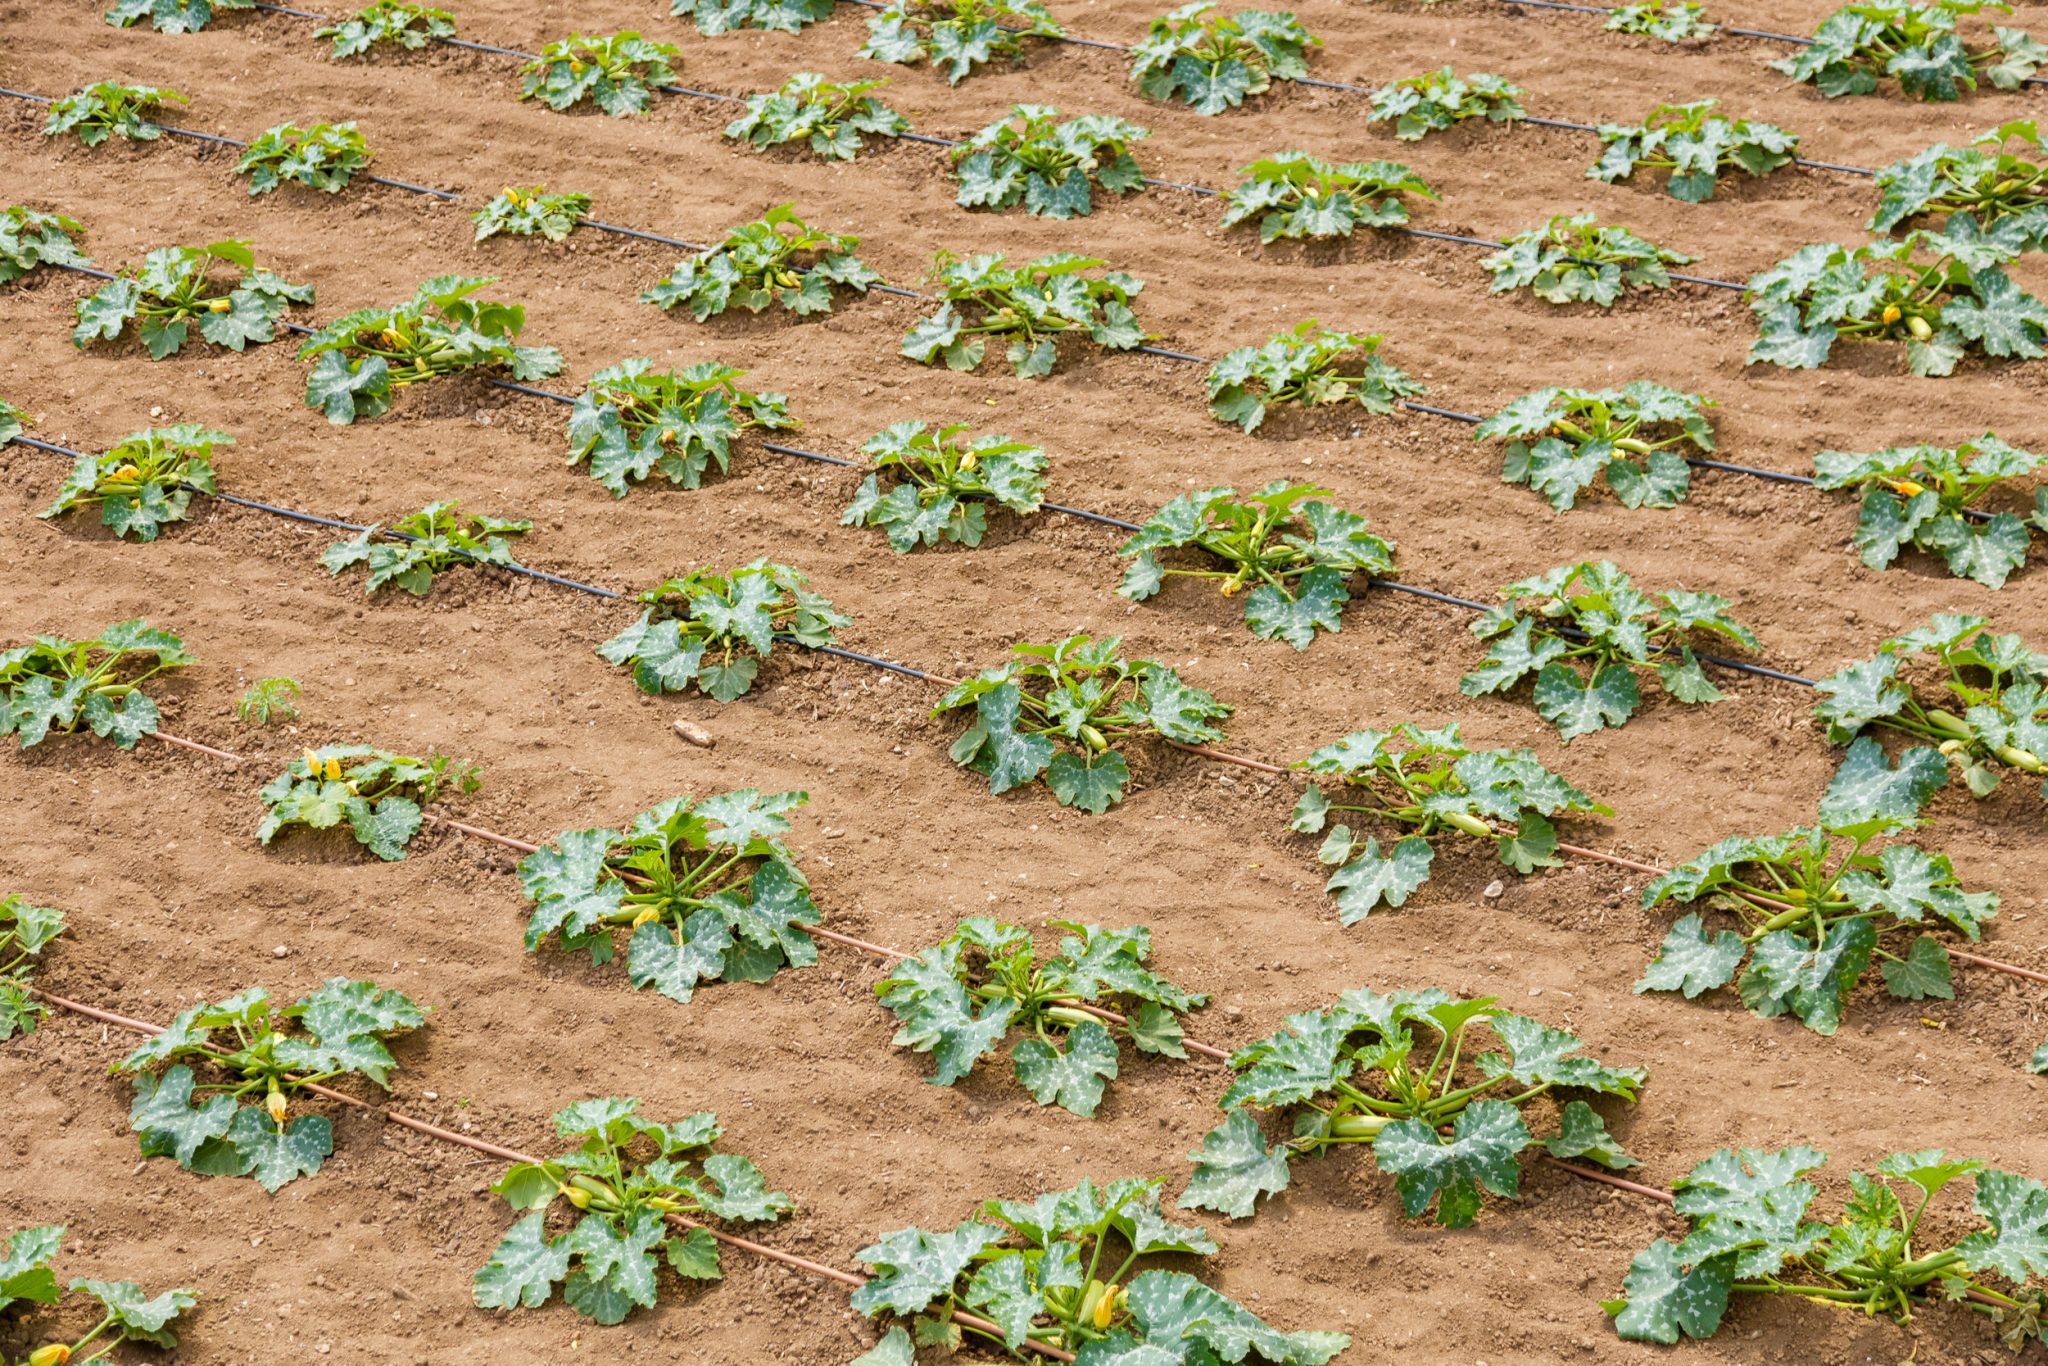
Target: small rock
[280, 951]
[1494, 890]
[430, 1095]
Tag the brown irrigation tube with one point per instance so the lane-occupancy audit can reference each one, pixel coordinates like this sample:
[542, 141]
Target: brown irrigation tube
[847, 1278]
[789, 1259]
[1202, 751]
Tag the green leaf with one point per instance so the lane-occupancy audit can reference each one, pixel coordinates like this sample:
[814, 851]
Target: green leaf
[1786, 972]
[1015, 758]
[1174, 1311]
[1092, 783]
[164, 1118]
[385, 827]
[274, 1158]
[1923, 973]
[1577, 707]
[914, 1268]
[1234, 1167]
[2016, 1244]
[1692, 962]
[694, 1256]
[938, 1015]
[893, 1350]
[1480, 1153]
[25, 1272]
[615, 1268]
[1372, 879]
[142, 1318]
[1666, 1296]
[1868, 788]
[1582, 1133]
[1073, 1079]
[656, 958]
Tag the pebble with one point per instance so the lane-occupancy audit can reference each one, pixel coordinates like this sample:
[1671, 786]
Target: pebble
[280, 951]
[1494, 890]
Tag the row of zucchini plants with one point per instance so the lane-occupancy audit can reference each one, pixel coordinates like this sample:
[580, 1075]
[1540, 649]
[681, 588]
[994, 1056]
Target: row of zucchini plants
[1197, 54]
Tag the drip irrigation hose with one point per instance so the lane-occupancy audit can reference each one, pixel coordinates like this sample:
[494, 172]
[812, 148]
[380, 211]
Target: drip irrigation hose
[1719, 661]
[790, 1259]
[1792, 38]
[927, 139]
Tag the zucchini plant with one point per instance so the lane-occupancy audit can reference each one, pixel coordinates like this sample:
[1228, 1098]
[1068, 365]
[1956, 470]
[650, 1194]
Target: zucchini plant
[713, 629]
[54, 686]
[320, 156]
[631, 423]
[943, 480]
[1747, 1230]
[1032, 305]
[1625, 435]
[2004, 193]
[123, 1312]
[1582, 631]
[1028, 157]
[957, 36]
[1308, 365]
[1925, 496]
[13, 421]
[706, 891]
[524, 210]
[31, 238]
[1428, 784]
[1575, 258]
[618, 1186]
[834, 118]
[215, 1127]
[961, 998]
[172, 16]
[1943, 294]
[365, 355]
[778, 258]
[1062, 710]
[617, 72]
[1994, 718]
[176, 287]
[1693, 144]
[143, 481]
[107, 108]
[1670, 21]
[1064, 1269]
[1436, 100]
[382, 797]
[1859, 45]
[1815, 905]
[1212, 62]
[269, 701]
[25, 931]
[412, 550]
[715, 17]
[411, 26]
[1296, 553]
[1293, 194]
[1384, 1070]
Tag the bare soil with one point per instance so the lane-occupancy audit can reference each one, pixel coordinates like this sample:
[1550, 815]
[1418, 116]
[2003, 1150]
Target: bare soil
[172, 900]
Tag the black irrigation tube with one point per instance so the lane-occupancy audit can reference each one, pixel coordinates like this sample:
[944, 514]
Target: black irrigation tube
[219, 141]
[1720, 661]
[1792, 38]
[1448, 414]
[933, 141]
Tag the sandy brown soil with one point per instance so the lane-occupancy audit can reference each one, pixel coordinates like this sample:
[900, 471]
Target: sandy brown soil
[172, 900]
